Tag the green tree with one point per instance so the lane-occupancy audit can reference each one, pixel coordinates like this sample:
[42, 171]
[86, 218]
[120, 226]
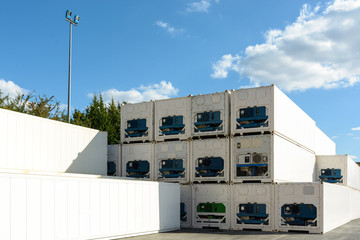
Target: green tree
[113, 127]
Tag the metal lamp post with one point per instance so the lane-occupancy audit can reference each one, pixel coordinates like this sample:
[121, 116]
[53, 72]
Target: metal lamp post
[75, 22]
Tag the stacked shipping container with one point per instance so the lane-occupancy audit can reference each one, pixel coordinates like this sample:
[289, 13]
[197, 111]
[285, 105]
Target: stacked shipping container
[229, 152]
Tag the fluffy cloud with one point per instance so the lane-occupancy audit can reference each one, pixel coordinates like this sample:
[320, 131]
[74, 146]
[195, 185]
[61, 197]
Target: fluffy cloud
[356, 129]
[161, 90]
[319, 50]
[11, 89]
[221, 67]
[353, 157]
[170, 29]
[200, 6]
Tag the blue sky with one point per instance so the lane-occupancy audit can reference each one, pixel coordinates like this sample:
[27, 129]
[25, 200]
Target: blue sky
[141, 50]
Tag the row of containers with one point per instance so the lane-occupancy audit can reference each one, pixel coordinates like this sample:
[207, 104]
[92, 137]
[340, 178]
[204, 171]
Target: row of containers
[241, 159]
[222, 114]
[284, 207]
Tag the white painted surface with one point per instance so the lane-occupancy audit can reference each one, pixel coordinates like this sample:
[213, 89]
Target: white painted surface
[172, 150]
[142, 110]
[33, 143]
[336, 204]
[217, 147]
[172, 107]
[138, 151]
[211, 193]
[211, 102]
[285, 118]
[349, 169]
[186, 198]
[286, 161]
[59, 207]
[114, 155]
[307, 193]
[260, 193]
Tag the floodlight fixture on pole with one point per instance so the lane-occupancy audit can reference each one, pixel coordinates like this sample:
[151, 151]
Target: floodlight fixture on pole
[74, 21]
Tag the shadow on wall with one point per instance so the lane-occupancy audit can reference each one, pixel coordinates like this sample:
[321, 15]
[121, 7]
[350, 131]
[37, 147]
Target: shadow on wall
[169, 206]
[93, 159]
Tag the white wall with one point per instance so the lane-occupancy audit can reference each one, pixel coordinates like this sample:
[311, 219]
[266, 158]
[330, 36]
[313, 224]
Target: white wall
[84, 207]
[33, 143]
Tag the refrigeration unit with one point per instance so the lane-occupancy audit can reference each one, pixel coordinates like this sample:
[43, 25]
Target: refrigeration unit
[137, 122]
[211, 206]
[210, 160]
[114, 160]
[338, 169]
[269, 158]
[172, 161]
[252, 206]
[172, 119]
[210, 114]
[138, 161]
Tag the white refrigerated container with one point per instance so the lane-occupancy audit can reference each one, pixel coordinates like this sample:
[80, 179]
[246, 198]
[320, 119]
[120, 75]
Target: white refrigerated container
[33, 143]
[186, 199]
[350, 171]
[175, 157]
[211, 206]
[210, 151]
[84, 207]
[114, 156]
[314, 207]
[270, 158]
[210, 114]
[271, 112]
[252, 206]
[137, 123]
[172, 119]
[138, 153]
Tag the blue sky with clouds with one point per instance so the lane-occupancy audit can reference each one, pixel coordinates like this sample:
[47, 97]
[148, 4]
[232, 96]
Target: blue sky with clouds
[140, 50]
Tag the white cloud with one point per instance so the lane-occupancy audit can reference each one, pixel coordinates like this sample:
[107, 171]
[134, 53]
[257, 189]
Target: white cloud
[200, 6]
[319, 50]
[170, 29]
[11, 89]
[353, 157]
[334, 137]
[356, 138]
[350, 134]
[157, 91]
[221, 67]
[356, 129]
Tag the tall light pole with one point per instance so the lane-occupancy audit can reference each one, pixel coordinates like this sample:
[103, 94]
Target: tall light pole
[75, 22]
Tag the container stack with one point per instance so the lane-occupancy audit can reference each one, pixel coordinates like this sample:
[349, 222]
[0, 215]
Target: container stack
[236, 155]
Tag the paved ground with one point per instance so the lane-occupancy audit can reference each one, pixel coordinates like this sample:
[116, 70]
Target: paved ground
[347, 231]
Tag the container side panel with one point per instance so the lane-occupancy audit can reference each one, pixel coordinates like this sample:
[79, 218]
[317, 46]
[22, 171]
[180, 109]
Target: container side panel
[169, 197]
[5, 207]
[353, 174]
[18, 208]
[336, 206]
[33, 207]
[323, 144]
[291, 162]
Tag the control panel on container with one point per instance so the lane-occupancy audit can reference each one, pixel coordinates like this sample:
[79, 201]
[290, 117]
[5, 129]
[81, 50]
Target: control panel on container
[172, 125]
[172, 168]
[209, 167]
[136, 128]
[252, 164]
[138, 169]
[208, 121]
[252, 213]
[252, 117]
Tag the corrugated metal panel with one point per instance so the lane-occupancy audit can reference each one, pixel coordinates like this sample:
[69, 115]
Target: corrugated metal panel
[60, 207]
[186, 199]
[33, 143]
